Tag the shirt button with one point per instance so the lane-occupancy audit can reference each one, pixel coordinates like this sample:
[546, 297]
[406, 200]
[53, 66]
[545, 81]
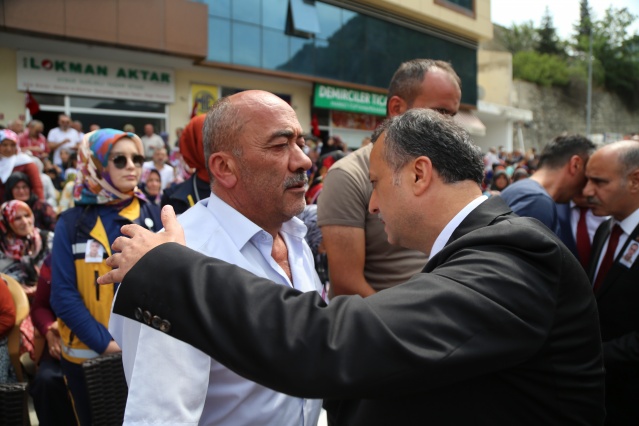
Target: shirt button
[156, 321]
[147, 317]
[165, 326]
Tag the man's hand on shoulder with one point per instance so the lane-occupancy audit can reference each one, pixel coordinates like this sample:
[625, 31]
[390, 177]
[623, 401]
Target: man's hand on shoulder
[136, 242]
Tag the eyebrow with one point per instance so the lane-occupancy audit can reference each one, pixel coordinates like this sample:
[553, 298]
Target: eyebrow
[286, 133]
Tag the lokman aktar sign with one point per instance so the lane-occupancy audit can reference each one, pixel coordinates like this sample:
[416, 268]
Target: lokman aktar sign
[50, 73]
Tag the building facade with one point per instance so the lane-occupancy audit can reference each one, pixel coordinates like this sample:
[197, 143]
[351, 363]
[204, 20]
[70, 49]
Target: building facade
[112, 62]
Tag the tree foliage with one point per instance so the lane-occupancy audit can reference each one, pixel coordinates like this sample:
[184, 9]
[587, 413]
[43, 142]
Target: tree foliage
[540, 57]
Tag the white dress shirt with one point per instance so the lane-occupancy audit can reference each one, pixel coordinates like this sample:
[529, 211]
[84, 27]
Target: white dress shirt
[450, 227]
[58, 135]
[171, 382]
[592, 221]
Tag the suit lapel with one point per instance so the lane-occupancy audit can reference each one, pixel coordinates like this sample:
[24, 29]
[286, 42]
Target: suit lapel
[617, 269]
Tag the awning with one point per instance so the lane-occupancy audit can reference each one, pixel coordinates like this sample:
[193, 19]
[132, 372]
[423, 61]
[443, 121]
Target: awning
[471, 123]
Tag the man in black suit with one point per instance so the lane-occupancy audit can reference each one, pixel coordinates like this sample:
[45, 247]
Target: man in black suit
[613, 189]
[500, 328]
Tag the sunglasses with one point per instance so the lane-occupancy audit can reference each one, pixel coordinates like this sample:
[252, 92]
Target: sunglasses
[120, 160]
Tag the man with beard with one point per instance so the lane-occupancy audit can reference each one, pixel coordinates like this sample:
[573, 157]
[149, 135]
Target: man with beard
[253, 147]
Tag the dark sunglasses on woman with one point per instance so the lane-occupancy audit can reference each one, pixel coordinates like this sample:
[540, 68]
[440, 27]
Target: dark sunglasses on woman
[120, 160]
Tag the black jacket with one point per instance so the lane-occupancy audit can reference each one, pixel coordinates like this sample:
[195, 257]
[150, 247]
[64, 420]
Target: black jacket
[500, 328]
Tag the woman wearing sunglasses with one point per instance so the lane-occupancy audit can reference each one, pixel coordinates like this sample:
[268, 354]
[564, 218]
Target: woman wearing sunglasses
[106, 197]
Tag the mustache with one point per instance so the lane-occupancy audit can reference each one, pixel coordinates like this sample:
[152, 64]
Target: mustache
[296, 180]
[593, 201]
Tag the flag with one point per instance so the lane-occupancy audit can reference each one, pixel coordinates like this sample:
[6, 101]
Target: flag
[194, 109]
[31, 104]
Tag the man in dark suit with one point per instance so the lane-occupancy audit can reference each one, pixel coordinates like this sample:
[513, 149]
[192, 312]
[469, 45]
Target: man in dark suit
[577, 226]
[613, 189]
[500, 328]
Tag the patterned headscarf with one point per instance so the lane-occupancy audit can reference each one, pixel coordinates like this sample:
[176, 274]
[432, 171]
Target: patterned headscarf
[7, 164]
[13, 245]
[93, 184]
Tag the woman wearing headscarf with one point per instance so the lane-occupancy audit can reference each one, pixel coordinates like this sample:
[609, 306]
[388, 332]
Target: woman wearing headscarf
[152, 187]
[23, 247]
[106, 198]
[197, 187]
[12, 160]
[19, 187]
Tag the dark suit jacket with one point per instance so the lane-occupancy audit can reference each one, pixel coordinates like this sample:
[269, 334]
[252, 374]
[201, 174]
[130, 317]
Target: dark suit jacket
[500, 328]
[565, 228]
[618, 302]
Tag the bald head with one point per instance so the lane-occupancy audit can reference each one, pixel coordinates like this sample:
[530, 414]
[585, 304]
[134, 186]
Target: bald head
[613, 180]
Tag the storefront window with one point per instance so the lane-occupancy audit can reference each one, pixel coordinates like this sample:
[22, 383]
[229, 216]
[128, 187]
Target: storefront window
[375, 47]
[111, 113]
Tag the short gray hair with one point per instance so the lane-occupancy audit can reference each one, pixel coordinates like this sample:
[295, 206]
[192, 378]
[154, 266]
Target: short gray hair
[424, 132]
[222, 127]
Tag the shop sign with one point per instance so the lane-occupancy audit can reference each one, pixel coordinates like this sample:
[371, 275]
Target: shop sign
[343, 99]
[67, 75]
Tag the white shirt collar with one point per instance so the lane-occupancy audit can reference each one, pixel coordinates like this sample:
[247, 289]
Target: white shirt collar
[630, 223]
[243, 228]
[448, 230]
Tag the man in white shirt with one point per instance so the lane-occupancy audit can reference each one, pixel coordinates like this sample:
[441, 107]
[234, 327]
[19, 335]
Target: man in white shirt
[167, 174]
[253, 145]
[62, 137]
[151, 141]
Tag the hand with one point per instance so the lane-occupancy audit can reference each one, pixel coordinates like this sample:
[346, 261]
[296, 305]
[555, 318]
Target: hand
[113, 348]
[141, 241]
[53, 340]
[29, 290]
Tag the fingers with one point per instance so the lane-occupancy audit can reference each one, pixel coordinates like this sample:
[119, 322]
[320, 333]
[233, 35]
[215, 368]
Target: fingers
[113, 276]
[132, 229]
[171, 225]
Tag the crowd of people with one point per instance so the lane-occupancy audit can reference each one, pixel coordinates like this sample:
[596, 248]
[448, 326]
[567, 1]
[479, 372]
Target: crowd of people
[63, 199]
[491, 302]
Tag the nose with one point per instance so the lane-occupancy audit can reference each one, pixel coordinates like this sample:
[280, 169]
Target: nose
[373, 206]
[299, 160]
[588, 190]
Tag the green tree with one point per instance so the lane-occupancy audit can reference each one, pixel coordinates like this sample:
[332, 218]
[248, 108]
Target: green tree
[618, 52]
[548, 40]
[583, 27]
[521, 37]
[541, 68]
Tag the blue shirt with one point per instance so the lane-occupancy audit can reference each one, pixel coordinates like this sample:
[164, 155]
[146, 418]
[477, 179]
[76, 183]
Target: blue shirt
[167, 378]
[528, 198]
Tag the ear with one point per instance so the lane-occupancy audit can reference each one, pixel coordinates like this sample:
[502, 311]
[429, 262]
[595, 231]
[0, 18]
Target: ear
[422, 173]
[575, 164]
[224, 169]
[396, 106]
[633, 181]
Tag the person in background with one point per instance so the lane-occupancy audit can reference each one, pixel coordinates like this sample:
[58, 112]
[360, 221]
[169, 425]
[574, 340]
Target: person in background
[361, 260]
[159, 163]
[334, 143]
[23, 246]
[151, 141]
[50, 192]
[499, 182]
[33, 140]
[152, 187]
[519, 174]
[62, 137]
[50, 396]
[52, 171]
[129, 128]
[77, 125]
[560, 176]
[197, 187]
[7, 321]
[16, 126]
[106, 197]
[94, 127]
[19, 188]
[12, 160]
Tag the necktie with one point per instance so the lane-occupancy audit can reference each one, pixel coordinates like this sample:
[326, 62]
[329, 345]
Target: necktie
[583, 239]
[606, 263]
